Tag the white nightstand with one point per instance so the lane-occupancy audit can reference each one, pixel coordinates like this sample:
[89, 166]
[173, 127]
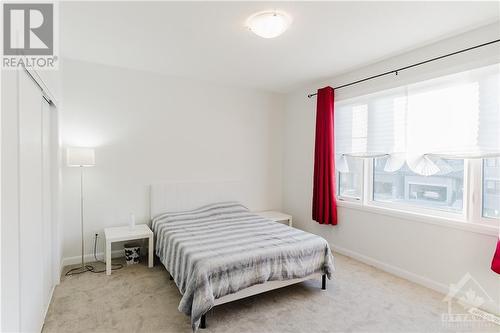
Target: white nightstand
[277, 217]
[118, 234]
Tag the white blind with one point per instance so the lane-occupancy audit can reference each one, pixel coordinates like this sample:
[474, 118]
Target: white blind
[454, 116]
[489, 111]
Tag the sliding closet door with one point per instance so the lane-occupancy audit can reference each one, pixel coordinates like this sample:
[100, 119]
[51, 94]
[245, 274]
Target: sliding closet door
[47, 190]
[30, 201]
[29, 232]
[9, 253]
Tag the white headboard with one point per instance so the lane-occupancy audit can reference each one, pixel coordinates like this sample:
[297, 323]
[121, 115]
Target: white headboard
[183, 196]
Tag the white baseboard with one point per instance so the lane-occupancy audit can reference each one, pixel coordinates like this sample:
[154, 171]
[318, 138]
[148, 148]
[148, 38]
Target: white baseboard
[47, 307]
[90, 258]
[402, 273]
[426, 282]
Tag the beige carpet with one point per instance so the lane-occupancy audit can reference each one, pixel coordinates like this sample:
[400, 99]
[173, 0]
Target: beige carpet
[137, 299]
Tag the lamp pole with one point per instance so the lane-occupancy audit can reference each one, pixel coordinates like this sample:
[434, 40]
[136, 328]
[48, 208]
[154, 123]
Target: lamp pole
[81, 157]
[81, 210]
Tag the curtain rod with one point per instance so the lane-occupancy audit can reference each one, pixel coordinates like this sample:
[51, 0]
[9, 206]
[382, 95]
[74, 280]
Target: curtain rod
[395, 71]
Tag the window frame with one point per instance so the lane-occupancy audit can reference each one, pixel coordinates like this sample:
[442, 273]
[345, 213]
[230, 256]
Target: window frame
[346, 197]
[478, 198]
[470, 218]
[460, 216]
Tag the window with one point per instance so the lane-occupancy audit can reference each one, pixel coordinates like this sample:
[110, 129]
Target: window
[491, 187]
[350, 184]
[421, 145]
[442, 191]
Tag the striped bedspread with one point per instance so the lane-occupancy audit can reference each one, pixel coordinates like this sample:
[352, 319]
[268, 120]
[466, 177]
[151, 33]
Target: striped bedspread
[222, 248]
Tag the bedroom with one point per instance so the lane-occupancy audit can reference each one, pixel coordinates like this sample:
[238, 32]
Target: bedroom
[337, 165]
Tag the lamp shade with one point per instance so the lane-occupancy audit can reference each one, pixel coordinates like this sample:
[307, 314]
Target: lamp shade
[80, 157]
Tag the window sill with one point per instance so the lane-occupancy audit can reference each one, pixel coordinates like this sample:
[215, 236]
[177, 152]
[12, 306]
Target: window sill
[480, 228]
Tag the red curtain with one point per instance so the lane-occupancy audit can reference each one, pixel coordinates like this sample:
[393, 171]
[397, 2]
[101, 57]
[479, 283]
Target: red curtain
[495, 263]
[324, 198]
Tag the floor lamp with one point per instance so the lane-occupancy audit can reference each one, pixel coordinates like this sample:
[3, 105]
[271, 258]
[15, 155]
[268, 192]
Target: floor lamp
[82, 158]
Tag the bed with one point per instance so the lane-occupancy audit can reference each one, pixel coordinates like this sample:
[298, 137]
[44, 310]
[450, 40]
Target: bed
[221, 251]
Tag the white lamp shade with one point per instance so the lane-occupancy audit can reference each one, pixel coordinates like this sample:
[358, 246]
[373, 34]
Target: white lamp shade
[80, 157]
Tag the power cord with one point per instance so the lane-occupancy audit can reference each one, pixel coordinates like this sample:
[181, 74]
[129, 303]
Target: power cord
[79, 270]
[116, 266]
[90, 268]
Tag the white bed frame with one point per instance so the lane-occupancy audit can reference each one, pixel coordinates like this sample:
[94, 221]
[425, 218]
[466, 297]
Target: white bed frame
[185, 196]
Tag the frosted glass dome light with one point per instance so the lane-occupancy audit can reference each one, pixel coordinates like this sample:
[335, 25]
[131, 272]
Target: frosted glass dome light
[268, 24]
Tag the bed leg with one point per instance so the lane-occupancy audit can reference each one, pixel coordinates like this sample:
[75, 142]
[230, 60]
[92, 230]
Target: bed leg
[323, 282]
[203, 322]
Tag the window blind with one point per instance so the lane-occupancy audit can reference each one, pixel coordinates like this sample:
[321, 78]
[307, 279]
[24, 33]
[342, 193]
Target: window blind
[455, 116]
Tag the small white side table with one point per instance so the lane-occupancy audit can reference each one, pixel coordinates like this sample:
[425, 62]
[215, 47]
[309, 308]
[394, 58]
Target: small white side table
[118, 234]
[277, 217]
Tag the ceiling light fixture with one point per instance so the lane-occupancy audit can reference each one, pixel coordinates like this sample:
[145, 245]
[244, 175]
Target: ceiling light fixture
[269, 24]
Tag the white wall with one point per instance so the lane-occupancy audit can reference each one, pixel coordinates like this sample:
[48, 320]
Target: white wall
[149, 128]
[430, 254]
